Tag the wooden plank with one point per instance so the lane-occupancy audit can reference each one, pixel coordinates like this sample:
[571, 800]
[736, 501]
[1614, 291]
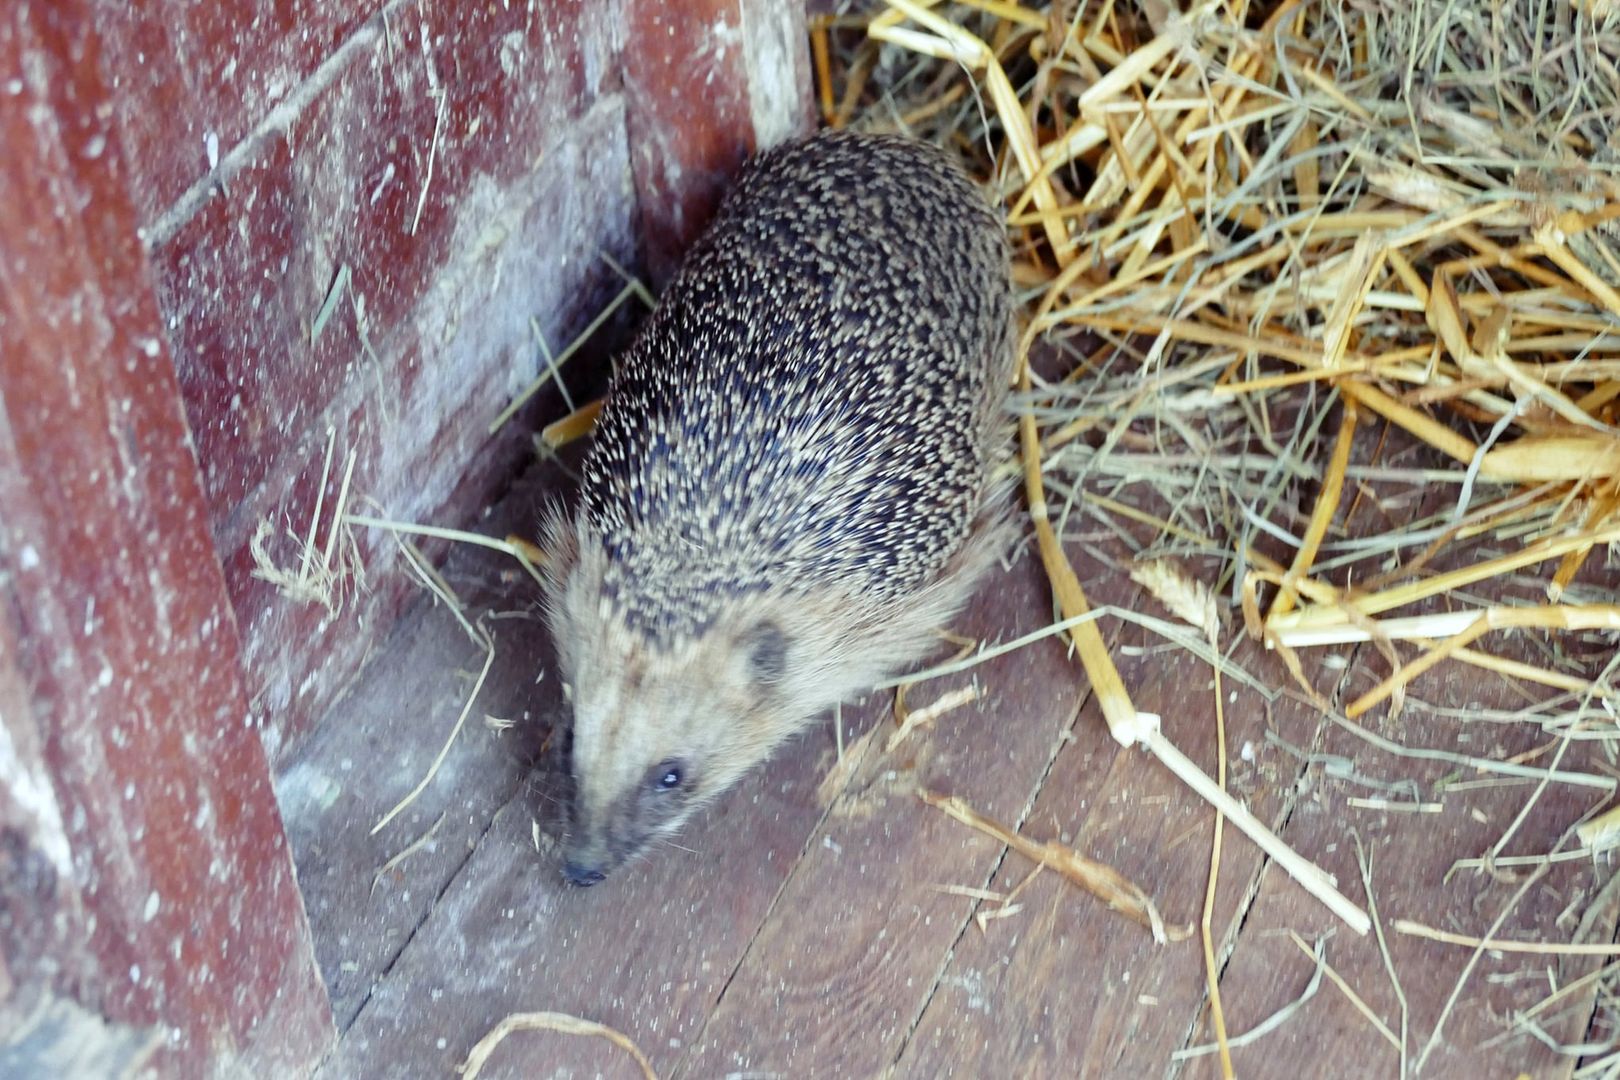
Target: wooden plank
[43, 926]
[194, 75]
[175, 872]
[652, 950]
[835, 980]
[468, 168]
[344, 180]
[647, 952]
[747, 61]
[1068, 981]
[377, 743]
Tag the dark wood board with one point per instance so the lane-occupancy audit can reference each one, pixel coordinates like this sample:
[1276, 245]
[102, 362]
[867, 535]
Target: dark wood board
[647, 952]
[654, 948]
[377, 744]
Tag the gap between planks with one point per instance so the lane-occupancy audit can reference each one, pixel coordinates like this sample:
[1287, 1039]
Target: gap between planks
[1229, 940]
[427, 913]
[869, 747]
[1059, 743]
[1064, 739]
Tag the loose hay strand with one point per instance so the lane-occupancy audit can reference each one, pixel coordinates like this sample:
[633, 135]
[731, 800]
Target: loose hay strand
[1211, 975]
[522, 553]
[554, 366]
[550, 1021]
[1504, 945]
[1350, 994]
[1310, 877]
[1270, 1023]
[913, 719]
[407, 851]
[1102, 881]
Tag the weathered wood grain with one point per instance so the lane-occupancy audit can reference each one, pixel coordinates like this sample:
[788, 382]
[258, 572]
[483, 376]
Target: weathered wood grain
[417, 422]
[647, 952]
[1411, 854]
[193, 75]
[1067, 987]
[378, 742]
[345, 180]
[156, 840]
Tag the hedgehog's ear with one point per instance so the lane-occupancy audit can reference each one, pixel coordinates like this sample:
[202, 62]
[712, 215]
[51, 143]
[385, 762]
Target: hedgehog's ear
[766, 647]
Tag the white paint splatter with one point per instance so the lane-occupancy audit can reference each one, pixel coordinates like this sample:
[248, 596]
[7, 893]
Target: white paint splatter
[511, 53]
[31, 793]
[971, 983]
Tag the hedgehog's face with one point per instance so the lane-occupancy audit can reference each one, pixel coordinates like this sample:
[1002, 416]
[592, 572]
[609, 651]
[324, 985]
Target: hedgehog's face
[656, 732]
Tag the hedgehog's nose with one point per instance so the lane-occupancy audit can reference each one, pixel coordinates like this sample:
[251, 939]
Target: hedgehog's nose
[582, 876]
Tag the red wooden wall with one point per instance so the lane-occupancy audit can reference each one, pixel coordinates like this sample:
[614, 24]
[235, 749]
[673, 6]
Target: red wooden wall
[567, 129]
[182, 185]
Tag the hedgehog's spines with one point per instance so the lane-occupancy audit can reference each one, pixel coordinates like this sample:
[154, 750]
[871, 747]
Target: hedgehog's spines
[811, 404]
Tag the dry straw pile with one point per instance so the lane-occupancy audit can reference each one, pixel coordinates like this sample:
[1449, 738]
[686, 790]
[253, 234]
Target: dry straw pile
[1324, 298]
[1410, 210]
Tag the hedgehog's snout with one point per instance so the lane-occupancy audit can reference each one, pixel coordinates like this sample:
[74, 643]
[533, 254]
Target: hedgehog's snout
[587, 859]
[582, 875]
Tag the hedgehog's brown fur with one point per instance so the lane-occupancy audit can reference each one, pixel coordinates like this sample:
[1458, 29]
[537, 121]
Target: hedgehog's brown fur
[787, 490]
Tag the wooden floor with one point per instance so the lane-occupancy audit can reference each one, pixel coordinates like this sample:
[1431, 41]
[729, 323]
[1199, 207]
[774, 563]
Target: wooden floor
[806, 929]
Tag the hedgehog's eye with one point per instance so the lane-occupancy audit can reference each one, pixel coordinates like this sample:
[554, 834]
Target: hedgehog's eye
[669, 776]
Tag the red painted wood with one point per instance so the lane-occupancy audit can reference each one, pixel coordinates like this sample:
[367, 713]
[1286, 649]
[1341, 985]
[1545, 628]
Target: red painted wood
[182, 908]
[706, 86]
[522, 113]
[189, 74]
[337, 183]
[530, 182]
[420, 438]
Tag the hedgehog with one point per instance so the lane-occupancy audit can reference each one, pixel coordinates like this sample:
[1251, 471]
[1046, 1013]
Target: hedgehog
[789, 491]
